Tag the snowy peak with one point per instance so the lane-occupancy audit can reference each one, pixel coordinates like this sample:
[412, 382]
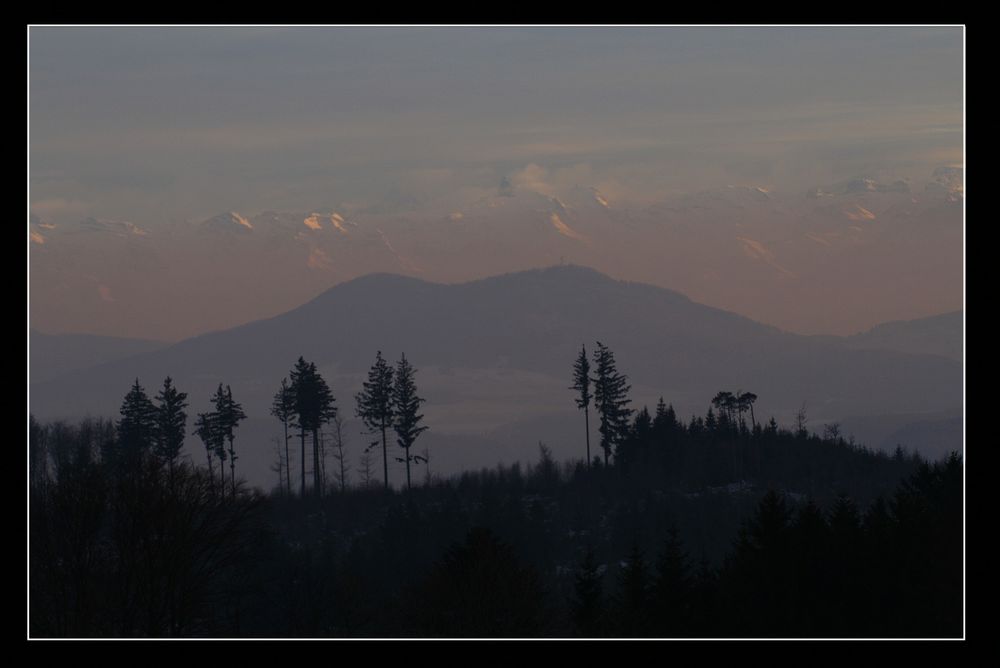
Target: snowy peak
[320, 221]
[949, 180]
[588, 198]
[228, 222]
[564, 229]
[37, 229]
[753, 193]
[117, 227]
[856, 212]
[859, 185]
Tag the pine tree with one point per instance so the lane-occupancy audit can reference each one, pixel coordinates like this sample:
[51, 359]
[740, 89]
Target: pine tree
[301, 389]
[672, 587]
[283, 408]
[587, 607]
[725, 402]
[138, 426]
[171, 423]
[375, 406]
[581, 383]
[747, 400]
[314, 406]
[664, 422]
[229, 415]
[405, 404]
[323, 410]
[611, 400]
[634, 595]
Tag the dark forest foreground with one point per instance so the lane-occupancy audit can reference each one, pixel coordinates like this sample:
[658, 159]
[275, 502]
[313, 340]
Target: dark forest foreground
[695, 530]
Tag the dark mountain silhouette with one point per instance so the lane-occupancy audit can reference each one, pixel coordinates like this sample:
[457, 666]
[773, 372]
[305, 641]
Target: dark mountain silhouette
[519, 327]
[53, 355]
[936, 335]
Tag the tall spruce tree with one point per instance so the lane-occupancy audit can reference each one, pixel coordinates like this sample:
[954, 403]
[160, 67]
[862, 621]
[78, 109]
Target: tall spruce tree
[228, 415]
[218, 431]
[207, 429]
[611, 400]
[171, 423]
[406, 403]
[375, 406]
[321, 409]
[581, 383]
[672, 588]
[138, 425]
[587, 607]
[313, 406]
[302, 388]
[633, 601]
[283, 408]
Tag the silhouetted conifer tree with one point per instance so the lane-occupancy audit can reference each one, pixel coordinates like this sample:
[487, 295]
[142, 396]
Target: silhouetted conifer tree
[811, 570]
[375, 406]
[581, 383]
[314, 407]
[323, 410]
[406, 403]
[283, 408]
[725, 402]
[587, 607]
[672, 589]
[481, 589]
[846, 572]
[634, 596]
[705, 618]
[747, 400]
[171, 423]
[611, 400]
[710, 422]
[228, 415]
[759, 574]
[137, 427]
[665, 420]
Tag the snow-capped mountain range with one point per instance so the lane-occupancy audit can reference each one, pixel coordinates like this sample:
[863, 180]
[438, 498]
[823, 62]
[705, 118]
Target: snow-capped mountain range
[878, 250]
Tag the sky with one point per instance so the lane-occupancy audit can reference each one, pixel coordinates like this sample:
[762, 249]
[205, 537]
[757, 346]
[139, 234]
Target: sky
[725, 160]
[181, 123]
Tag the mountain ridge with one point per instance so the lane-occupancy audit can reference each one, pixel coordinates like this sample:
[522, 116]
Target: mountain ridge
[499, 351]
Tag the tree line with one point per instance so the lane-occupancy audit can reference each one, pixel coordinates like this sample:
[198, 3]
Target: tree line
[388, 402]
[713, 526]
[795, 570]
[119, 547]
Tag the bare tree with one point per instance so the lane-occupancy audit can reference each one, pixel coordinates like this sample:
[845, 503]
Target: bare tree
[342, 470]
[278, 466]
[800, 421]
[831, 431]
[283, 408]
[366, 470]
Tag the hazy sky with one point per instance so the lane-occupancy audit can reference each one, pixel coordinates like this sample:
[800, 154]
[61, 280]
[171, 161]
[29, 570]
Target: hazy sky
[158, 124]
